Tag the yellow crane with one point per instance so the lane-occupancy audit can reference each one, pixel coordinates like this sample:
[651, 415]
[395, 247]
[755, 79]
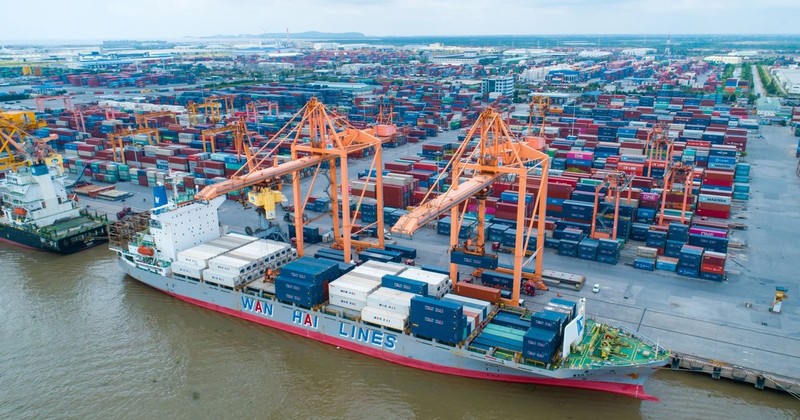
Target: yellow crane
[18, 147]
[143, 119]
[212, 110]
[115, 139]
[266, 199]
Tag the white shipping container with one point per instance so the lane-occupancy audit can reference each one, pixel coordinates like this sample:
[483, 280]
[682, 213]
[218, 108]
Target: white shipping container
[225, 279]
[391, 268]
[482, 305]
[265, 248]
[473, 312]
[230, 264]
[224, 243]
[367, 274]
[353, 287]
[438, 284]
[242, 239]
[268, 287]
[391, 300]
[385, 318]
[200, 254]
[347, 302]
[188, 270]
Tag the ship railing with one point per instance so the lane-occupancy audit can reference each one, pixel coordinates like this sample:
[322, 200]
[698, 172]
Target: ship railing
[639, 336]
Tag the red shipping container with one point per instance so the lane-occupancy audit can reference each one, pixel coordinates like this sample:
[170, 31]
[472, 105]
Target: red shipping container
[709, 268]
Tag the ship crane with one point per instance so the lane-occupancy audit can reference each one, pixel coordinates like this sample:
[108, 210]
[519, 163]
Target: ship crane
[498, 155]
[18, 147]
[329, 141]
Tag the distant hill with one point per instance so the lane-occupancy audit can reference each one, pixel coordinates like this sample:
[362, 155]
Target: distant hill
[299, 35]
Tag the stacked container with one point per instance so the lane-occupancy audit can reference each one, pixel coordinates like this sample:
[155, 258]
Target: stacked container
[439, 320]
[438, 284]
[350, 291]
[539, 344]
[388, 308]
[304, 281]
[689, 261]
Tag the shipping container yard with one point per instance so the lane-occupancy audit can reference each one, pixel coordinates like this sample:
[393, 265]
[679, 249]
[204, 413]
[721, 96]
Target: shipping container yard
[560, 216]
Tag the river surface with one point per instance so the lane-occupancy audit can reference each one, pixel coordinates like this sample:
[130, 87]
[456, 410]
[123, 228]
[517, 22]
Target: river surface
[80, 340]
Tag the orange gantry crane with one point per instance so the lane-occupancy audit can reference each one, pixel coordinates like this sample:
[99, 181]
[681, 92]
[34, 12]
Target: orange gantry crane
[678, 174]
[328, 141]
[238, 128]
[498, 155]
[615, 184]
[253, 108]
[40, 101]
[659, 149]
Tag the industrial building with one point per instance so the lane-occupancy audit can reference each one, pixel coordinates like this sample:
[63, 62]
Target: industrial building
[789, 79]
[503, 85]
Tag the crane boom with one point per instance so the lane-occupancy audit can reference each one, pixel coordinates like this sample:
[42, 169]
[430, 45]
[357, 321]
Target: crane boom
[428, 212]
[256, 177]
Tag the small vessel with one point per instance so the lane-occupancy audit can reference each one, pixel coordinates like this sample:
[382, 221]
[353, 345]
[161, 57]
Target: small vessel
[388, 311]
[38, 213]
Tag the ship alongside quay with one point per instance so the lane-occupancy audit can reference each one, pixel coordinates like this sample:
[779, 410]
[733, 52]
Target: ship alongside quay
[170, 251]
[38, 213]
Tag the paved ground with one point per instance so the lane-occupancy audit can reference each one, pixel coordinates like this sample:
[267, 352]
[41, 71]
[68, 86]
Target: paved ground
[694, 316]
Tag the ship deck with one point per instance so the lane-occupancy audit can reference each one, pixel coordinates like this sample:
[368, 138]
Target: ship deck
[627, 350]
[60, 227]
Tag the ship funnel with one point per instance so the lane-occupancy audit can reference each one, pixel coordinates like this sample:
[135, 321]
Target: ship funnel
[159, 195]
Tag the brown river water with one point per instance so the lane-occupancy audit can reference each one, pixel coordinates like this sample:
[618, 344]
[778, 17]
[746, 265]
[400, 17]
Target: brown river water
[80, 340]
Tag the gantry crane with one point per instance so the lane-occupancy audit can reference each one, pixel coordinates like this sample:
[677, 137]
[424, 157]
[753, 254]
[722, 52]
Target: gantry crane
[328, 141]
[115, 139]
[252, 109]
[213, 111]
[677, 173]
[143, 119]
[238, 128]
[615, 184]
[40, 100]
[18, 147]
[499, 155]
[540, 105]
[658, 150]
[225, 100]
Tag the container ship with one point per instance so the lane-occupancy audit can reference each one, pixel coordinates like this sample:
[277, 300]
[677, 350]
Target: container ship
[38, 213]
[390, 311]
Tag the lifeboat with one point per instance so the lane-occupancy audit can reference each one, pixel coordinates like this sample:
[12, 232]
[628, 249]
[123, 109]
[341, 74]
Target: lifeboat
[19, 211]
[145, 250]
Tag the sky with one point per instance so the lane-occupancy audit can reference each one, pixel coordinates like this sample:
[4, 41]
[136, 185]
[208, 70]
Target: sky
[173, 19]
